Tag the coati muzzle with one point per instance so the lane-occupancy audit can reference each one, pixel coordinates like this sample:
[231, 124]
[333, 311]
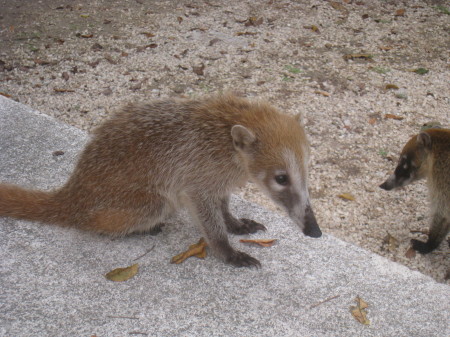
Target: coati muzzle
[311, 227]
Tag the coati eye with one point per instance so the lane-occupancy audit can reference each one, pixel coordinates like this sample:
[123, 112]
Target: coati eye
[282, 179]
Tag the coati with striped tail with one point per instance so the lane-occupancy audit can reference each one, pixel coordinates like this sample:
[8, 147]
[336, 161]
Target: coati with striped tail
[151, 159]
[427, 155]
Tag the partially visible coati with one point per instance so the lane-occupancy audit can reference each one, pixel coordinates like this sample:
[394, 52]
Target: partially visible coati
[427, 155]
[151, 159]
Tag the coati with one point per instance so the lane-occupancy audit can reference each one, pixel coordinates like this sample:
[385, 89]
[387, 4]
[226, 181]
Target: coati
[151, 159]
[427, 155]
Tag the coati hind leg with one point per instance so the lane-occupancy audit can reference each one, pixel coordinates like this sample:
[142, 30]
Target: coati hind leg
[241, 226]
[207, 213]
[438, 230]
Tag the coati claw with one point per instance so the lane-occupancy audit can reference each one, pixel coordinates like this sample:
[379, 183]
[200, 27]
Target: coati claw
[249, 226]
[241, 259]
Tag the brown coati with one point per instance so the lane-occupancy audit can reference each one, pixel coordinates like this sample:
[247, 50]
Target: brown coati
[427, 155]
[151, 159]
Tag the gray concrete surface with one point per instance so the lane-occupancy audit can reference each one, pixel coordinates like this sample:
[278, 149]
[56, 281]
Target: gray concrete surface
[52, 279]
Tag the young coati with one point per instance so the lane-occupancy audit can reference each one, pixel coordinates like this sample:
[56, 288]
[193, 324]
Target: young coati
[151, 159]
[427, 155]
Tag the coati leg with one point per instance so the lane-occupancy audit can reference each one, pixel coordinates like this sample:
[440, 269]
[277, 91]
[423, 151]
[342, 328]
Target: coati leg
[207, 213]
[235, 226]
[438, 230]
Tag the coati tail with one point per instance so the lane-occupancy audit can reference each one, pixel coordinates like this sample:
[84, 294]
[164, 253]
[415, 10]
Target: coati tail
[32, 205]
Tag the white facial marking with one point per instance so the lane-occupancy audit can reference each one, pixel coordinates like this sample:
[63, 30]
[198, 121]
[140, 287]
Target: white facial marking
[297, 175]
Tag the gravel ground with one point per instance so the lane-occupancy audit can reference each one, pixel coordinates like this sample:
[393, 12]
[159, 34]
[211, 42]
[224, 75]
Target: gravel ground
[349, 66]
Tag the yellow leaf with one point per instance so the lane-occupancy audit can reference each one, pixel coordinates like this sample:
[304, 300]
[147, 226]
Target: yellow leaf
[261, 242]
[122, 274]
[347, 196]
[197, 250]
[359, 311]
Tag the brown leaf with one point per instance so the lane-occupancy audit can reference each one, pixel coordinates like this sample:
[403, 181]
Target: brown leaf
[323, 93]
[391, 242]
[391, 116]
[63, 90]
[65, 76]
[347, 196]
[197, 250]
[410, 253]
[400, 12]
[372, 121]
[357, 56]
[359, 311]
[179, 19]
[122, 274]
[245, 33]
[338, 6]
[5, 94]
[391, 86]
[260, 242]
[386, 48]
[148, 34]
[199, 69]
[254, 21]
[87, 36]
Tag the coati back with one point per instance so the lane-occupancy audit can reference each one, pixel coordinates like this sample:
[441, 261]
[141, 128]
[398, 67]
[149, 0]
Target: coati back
[427, 155]
[151, 159]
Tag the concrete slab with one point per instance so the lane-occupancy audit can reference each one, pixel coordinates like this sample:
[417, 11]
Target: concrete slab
[53, 284]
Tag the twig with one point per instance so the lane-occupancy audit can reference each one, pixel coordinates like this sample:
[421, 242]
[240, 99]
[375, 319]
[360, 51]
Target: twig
[324, 301]
[128, 317]
[148, 251]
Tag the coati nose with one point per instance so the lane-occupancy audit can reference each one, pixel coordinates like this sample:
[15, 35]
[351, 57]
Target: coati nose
[311, 227]
[386, 186]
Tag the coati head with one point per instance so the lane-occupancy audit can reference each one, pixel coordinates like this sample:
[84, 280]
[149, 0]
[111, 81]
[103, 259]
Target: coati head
[276, 154]
[412, 164]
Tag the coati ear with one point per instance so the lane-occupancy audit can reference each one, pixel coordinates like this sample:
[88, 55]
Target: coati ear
[242, 137]
[424, 140]
[299, 118]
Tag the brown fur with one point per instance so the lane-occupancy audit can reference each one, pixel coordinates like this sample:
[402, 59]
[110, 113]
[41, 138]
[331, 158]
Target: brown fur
[151, 159]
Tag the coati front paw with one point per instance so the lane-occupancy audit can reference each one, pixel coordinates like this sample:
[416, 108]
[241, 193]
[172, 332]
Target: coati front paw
[422, 247]
[245, 226]
[241, 259]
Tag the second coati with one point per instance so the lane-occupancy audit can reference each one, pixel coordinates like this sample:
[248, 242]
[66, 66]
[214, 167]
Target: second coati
[151, 159]
[427, 155]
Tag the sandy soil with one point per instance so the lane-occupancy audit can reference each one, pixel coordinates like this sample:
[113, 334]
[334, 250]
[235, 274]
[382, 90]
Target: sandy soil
[346, 65]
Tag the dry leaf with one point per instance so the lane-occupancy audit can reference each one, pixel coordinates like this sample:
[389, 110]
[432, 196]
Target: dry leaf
[347, 196]
[386, 48]
[391, 116]
[260, 242]
[400, 12]
[391, 242]
[357, 56]
[63, 90]
[338, 6]
[197, 250]
[5, 94]
[179, 19]
[410, 253]
[359, 311]
[122, 274]
[87, 36]
[372, 121]
[254, 21]
[199, 69]
[323, 93]
[148, 34]
[391, 86]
